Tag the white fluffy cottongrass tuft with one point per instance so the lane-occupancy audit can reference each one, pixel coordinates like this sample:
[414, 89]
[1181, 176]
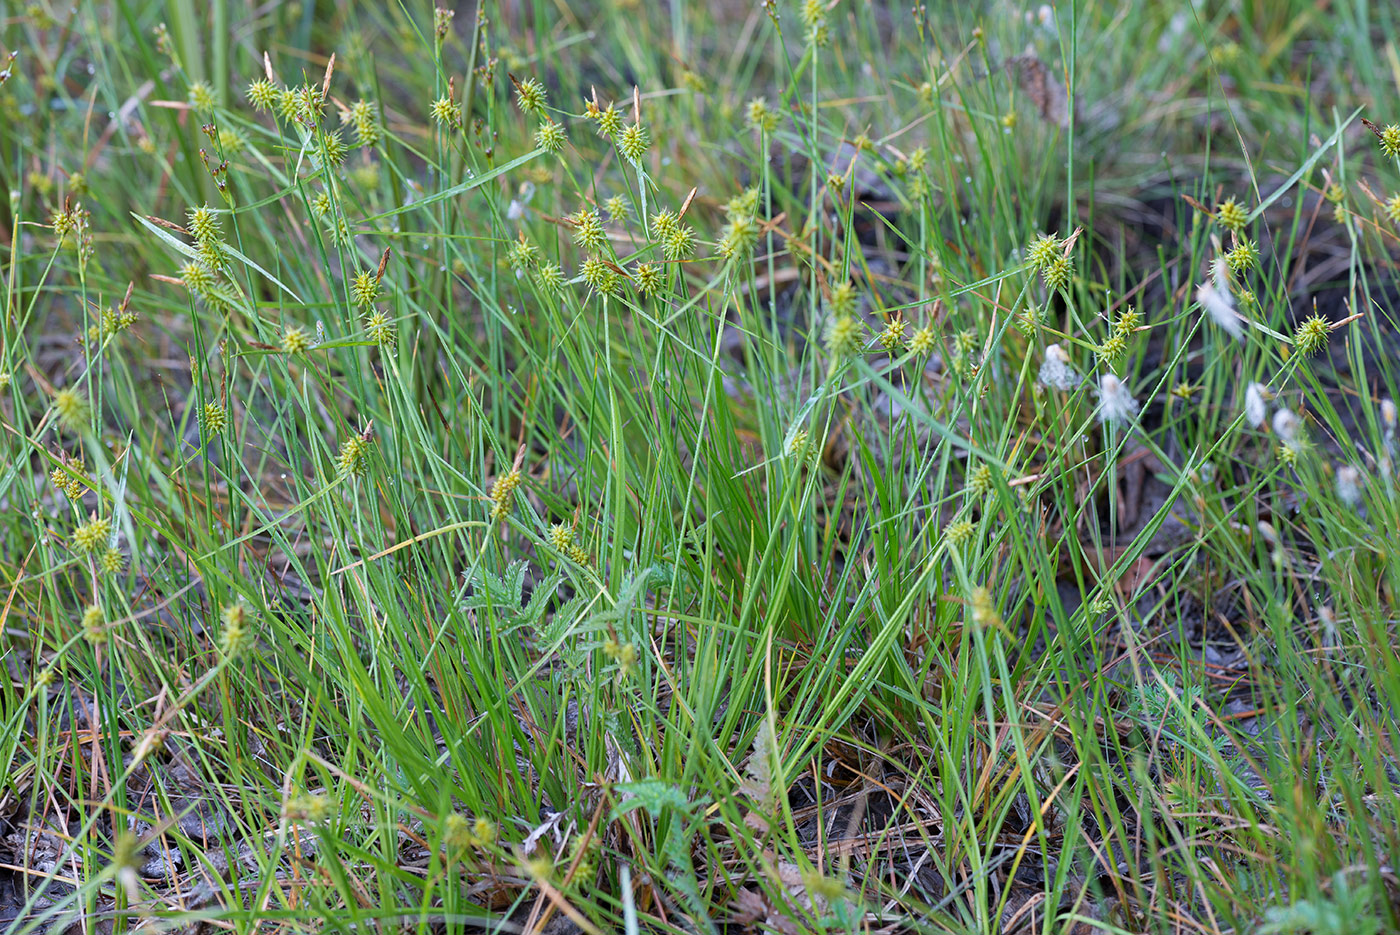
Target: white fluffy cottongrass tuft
[1216, 299]
[1287, 426]
[1116, 403]
[1056, 372]
[1349, 484]
[1255, 398]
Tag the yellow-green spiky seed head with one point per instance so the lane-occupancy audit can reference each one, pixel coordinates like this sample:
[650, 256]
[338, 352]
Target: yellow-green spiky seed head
[232, 141]
[588, 231]
[1231, 215]
[1057, 272]
[662, 223]
[1243, 258]
[93, 621]
[92, 535]
[321, 204]
[1028, 320]
[71, 407]
[843, 299]
[295, 341]
[446, 112]
[862, 143]
[379, 328]
[522, 254]
[738, 238]
[979, 482]
[814, 19]
[365, 175]
[759, 116]
[237, 634]
[550, 136]
[201, 97]
[262, 94]
[1390, 141]
[922, 341]
[965, 342]
[1043, 251]
[1311, 335]
[63, 223]
[364, 288]
[744, 204]
[617, 208]
[315, 809]
[679, 243]
[561, 536]
[502, 490]
[364, 118]
[213, 254]
[214, 418]
[1128, 321]
[456, 832]
[649, 278]
[286, 105]
[307, 104]
[609, 121]
[957, 532]
[1392, 209]
[1114, 347]
[984, 611]
[197, 277]
[111, 563]
[797, 445]
[843, 335]
[333, 148]
[204, 224]
[530, 96]
[633, 142]
[353, 460]
[893, 335]
[550, 277]
[339, 231]
[599, 274]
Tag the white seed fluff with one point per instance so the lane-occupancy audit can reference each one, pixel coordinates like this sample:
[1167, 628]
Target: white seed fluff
[1349, 484]
[1056, 372]
[1287, 425]
[1216, 299]
[1255, 397]
[1116, 403]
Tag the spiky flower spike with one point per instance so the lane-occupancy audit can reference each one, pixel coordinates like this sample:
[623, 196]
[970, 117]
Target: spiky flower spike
[1311, 335]
[1232, 217]
[550, 136]
[530, 96]
[633, 142]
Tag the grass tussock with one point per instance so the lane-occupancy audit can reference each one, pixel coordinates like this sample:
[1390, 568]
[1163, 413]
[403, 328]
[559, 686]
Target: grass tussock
[789, 467]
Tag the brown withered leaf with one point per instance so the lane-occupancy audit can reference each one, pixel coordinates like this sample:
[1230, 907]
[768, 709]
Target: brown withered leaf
[1041, 85]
